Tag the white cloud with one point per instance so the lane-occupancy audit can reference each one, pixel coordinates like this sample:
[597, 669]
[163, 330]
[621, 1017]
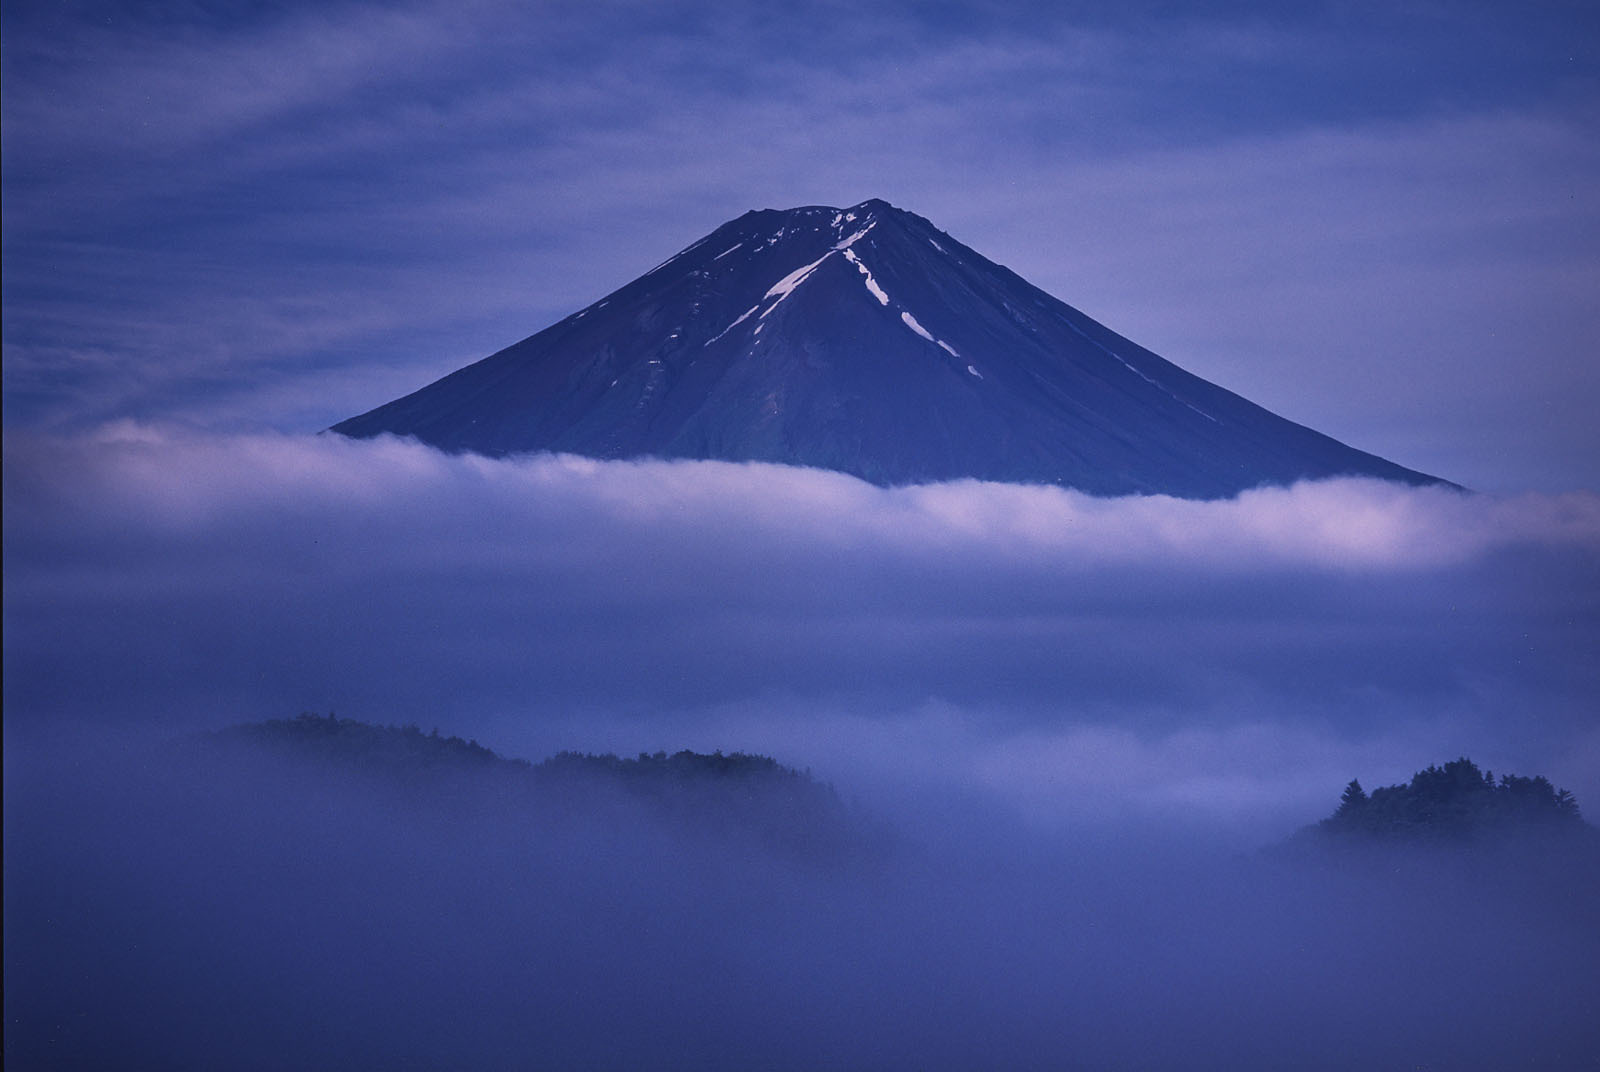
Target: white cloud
[1233, 651]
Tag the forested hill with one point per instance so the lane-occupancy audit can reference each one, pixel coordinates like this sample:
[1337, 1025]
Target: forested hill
[1454, 803]
[391, 751]
[719, 795]
[1518, 843]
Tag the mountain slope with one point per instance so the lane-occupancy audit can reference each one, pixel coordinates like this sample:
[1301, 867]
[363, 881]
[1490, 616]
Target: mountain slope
[867, 341]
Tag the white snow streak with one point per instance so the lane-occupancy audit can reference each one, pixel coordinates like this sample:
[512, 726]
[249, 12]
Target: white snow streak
[872, 284]
[1131, 369]
[974, 372]
[1148, 380]
[853, 239]
[742, 318]
[782, 288]
[785, 286]
[686, 249]
[727, 251]
[911, 322]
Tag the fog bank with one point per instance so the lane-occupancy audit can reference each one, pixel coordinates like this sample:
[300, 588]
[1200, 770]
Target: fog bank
[236, 914]
[1074, 656]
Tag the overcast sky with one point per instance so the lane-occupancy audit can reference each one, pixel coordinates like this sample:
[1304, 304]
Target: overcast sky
[1380, 220]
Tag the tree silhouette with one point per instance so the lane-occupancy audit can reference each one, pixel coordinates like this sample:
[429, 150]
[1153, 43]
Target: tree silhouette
[1452, 801]
[1353, 799]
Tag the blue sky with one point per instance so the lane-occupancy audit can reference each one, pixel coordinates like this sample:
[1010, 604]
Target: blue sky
[1379, 220]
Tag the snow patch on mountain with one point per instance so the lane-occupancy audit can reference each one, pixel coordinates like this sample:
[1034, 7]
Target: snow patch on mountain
[872, 284]
[742, 318]
[785, 286]
[858, 236]
[685, 251]
[911, 322]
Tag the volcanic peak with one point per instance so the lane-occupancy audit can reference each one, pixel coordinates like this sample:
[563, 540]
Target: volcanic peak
[867, 341]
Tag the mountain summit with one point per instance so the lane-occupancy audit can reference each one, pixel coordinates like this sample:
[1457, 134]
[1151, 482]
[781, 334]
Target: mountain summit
[867, 341]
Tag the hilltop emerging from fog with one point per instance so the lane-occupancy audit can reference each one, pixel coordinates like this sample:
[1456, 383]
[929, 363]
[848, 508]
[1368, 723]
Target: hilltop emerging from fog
[324, 893]
[1455, 802]
[731, 796]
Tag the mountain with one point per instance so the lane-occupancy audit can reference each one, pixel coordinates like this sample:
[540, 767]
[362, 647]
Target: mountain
[867, 341]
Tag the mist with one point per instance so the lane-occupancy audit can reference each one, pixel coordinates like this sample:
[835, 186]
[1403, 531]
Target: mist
[238, 913]
[1075, 734]
[1230, 660]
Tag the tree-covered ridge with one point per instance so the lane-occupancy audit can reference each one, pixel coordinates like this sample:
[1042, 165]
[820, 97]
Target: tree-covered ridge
[721, 795]
[367, 746]
[1456, 800]
[402, 748]
[660, 765]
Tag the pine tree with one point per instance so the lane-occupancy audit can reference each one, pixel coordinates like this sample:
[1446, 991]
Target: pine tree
[1351, 801]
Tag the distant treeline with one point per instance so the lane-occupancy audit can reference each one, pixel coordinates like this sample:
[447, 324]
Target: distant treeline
[1454, 801]
[407, 747]
[738, 795]
[718, 794]
[365, 745]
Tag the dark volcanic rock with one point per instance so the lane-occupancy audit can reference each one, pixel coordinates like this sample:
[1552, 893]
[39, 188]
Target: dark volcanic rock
[867, 341]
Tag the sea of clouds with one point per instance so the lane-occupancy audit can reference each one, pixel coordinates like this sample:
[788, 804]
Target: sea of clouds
[1230, 662]
[1081, 724]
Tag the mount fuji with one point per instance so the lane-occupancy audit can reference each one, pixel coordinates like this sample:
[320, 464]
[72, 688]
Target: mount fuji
[867, 341]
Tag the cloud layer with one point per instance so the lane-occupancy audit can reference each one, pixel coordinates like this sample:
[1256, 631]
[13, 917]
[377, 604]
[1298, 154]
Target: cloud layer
[1243, 657]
